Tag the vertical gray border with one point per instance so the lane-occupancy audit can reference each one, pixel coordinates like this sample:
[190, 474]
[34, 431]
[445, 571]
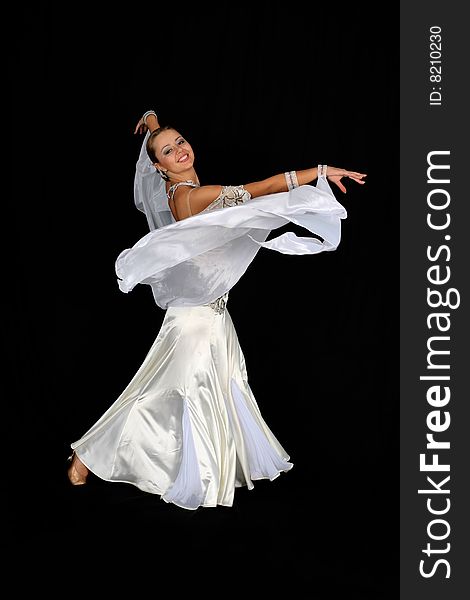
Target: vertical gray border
[423, 129]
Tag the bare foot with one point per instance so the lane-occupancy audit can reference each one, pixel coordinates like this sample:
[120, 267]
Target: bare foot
[77, 472]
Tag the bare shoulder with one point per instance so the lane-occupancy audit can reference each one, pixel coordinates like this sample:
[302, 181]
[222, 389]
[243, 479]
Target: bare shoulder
[204, 193]
[189, 201]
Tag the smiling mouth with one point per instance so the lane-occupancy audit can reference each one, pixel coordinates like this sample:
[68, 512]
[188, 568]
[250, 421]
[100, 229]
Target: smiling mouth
[184, 158]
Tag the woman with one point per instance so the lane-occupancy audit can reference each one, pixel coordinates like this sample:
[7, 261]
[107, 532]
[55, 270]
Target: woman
[187, 427]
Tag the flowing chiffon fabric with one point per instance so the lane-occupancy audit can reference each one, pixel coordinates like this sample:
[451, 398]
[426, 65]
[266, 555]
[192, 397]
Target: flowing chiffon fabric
[198, 259]
[187, 427]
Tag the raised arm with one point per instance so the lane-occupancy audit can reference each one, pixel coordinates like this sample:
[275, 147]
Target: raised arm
[148, 120]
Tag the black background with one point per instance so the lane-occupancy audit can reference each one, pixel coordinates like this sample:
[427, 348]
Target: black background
[257, 89]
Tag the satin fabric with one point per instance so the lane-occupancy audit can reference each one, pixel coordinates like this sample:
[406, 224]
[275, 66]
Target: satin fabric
[196, 260]
[187, 426]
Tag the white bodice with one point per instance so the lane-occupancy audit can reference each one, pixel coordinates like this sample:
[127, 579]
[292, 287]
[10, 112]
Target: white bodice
[230, 195]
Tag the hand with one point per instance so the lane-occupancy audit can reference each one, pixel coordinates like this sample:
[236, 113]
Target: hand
[141, 127]
[335, 175]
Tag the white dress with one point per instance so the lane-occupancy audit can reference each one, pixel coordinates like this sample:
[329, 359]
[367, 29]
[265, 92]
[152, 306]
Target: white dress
[187, 427]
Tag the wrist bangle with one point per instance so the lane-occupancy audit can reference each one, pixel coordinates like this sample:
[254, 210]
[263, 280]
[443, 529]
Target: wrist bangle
[322, 170]
[146, 114]
[291, 180]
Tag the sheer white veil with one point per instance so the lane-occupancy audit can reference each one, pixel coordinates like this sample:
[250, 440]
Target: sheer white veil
[149, 191]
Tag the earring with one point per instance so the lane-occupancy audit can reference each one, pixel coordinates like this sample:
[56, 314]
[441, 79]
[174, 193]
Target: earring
[162, 174]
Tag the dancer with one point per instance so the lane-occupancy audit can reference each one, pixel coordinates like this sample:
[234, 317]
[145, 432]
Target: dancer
[187, 427]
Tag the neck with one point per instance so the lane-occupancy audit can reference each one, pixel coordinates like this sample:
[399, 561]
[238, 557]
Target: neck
[189, 175]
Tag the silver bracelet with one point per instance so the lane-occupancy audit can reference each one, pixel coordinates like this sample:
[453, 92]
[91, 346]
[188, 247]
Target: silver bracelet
[291, 180]
[146, 114]
[322, 171]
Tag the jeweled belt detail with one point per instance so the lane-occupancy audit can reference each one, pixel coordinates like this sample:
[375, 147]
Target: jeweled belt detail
[219, 304]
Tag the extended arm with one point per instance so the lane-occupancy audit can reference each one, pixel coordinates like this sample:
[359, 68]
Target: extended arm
[189, 202]
[278, 183]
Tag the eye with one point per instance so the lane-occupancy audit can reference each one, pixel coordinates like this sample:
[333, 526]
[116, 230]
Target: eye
[166, 152]
[181, 141]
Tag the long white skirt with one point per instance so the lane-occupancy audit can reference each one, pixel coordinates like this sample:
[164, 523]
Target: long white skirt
[187, 427]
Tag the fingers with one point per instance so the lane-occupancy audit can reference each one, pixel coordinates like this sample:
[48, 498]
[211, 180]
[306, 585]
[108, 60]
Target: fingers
[140, 127]
[341, 186]
[360, 179]
[336, 179]
[355, 176]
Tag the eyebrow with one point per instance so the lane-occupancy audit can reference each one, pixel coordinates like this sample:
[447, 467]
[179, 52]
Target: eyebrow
[176, 138]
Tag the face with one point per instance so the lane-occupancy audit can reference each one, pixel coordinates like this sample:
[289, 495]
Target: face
[173, 152]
